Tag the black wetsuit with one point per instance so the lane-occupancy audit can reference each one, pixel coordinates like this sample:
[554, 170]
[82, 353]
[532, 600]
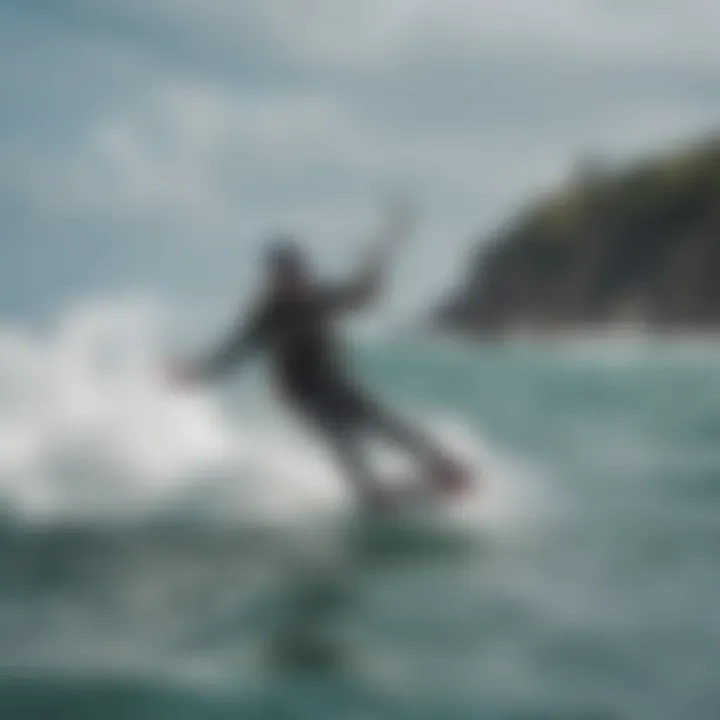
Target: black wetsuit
[298, 335]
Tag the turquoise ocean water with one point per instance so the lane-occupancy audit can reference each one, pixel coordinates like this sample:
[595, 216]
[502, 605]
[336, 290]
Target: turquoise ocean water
[192, 557]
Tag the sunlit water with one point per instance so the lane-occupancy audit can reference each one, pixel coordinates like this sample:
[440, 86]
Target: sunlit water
[195, 555]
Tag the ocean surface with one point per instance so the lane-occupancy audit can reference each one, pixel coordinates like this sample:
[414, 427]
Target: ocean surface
[195, 555]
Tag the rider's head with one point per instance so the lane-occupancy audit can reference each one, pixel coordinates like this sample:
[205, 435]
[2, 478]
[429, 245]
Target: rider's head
[286, 265]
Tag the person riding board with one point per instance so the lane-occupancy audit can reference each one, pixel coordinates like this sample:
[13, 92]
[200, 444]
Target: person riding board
[293, 323]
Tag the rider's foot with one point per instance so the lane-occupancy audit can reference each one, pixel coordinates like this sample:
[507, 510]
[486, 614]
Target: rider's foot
[451, 477]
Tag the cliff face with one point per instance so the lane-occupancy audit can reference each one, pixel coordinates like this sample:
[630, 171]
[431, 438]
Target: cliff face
[640, 247]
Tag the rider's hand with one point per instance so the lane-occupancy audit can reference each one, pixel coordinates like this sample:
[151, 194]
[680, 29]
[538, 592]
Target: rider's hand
[180, 374]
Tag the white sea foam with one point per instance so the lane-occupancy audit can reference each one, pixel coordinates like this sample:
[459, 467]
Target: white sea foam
[89, 428]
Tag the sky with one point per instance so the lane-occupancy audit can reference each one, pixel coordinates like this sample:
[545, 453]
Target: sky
[149, 146]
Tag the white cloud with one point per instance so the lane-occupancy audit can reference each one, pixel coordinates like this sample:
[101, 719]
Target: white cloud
[375, 32]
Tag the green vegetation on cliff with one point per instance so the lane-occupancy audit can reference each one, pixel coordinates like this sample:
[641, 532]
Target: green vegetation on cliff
[640, 245]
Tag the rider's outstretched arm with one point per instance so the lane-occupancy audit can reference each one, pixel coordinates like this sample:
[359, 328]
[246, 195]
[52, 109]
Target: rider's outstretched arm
[240, 343]
[366, 285]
